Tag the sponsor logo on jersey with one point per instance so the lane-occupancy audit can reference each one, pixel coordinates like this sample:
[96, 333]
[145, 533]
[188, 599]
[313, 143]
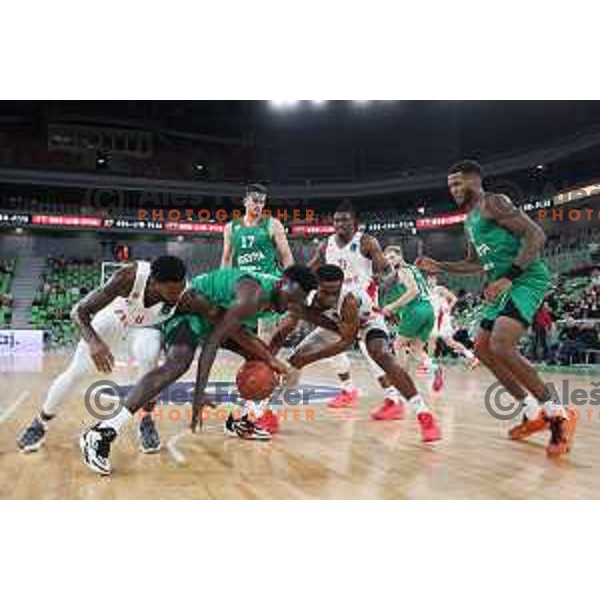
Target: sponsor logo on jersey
[251, 257]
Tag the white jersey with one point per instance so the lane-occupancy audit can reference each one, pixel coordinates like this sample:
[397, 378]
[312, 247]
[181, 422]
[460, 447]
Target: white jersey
[131, 311]
[358, 269]
[439, 301]
[443, 321]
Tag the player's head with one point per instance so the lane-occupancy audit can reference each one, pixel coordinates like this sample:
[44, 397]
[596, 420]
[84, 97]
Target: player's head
[464, 181]
[394, 256]
[331, 279]
[168, 278]
[296, 283]
[345, 220]
[255, 199]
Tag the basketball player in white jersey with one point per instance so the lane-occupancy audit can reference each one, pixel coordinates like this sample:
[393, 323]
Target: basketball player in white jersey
[443, 301]
[361, 259]
[114, 319]
[342, 315]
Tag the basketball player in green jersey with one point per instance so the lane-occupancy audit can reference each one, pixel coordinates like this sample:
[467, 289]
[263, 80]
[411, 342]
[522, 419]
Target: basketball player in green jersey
[505, 244]
[220, 306]
[406, 304]
[256, 243]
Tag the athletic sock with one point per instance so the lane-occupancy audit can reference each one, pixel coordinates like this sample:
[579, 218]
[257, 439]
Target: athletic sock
[118, 421]
[418, 405]
[393, 394]
[44, 418]
[531, 407]
[553, 408]
[552, 404]
[347, 384]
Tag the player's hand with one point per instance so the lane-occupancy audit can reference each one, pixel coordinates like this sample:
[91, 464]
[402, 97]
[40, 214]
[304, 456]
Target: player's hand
[292, 377]
[280, 366]
[102, 356]
[494, 289]
[389, 315]
[429, 265]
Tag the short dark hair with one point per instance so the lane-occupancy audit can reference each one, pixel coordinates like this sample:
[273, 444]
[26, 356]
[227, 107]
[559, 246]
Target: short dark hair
[330, 273]
[347, 207]
[256, 188]
[303, 276]
[167, 268]
[466, 167]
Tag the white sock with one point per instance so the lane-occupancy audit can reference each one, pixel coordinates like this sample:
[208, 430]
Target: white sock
[259, 408]
[393, 394]
[118, 421]
[347, 384]
[418, 404]
[531, 407]
[554, 408]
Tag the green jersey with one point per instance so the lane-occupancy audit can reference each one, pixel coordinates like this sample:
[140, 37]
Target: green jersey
[218, 287]
[253, 248]
[497, 249]
[398, 289]
[415, 319]
[496, 246]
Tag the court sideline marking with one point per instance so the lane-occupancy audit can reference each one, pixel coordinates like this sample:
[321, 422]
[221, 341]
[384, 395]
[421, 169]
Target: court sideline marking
[11, 409]
[176, 455]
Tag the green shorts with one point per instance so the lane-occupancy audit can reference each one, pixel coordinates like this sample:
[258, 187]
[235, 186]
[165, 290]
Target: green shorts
[416, 321]
[526, 294]
[199, 328]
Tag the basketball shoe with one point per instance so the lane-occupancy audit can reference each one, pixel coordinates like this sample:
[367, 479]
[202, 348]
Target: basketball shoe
[148, 436]
[345, 399]
[95, 448]
[33, 437]
[389, 411]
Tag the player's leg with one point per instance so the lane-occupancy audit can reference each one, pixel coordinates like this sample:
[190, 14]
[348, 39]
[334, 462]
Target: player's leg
[317, 339]
[504, 339]
[447, 335]
[390, 393]
[503, 374]
[95, 443]
[81, 367]
[350, 394]
[378, 345]
[144, 348]
[253, 420]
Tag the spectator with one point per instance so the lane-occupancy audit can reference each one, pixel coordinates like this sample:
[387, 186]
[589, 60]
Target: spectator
[542, 324]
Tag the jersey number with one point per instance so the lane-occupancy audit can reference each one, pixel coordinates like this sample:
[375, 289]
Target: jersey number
[247, 242]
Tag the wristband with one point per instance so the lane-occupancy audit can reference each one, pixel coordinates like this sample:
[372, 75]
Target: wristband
[514, 272]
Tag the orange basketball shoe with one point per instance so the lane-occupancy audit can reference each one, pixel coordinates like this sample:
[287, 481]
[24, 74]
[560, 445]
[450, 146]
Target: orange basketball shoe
[389, 411]
[345, 399]
[529, 426]
[562, 431]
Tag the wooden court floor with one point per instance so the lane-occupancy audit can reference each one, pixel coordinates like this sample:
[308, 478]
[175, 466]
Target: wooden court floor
[323, 454]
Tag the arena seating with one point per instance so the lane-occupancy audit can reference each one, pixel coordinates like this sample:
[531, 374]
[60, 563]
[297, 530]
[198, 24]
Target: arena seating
[64, 283]
[7, 269]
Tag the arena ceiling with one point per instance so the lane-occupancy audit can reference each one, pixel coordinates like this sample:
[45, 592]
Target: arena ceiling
[337, 140]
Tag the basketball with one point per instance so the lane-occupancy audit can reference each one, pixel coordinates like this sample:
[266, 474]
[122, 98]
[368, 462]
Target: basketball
[256, 380]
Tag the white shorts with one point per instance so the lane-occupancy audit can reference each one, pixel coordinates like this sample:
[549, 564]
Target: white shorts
[138, 344]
